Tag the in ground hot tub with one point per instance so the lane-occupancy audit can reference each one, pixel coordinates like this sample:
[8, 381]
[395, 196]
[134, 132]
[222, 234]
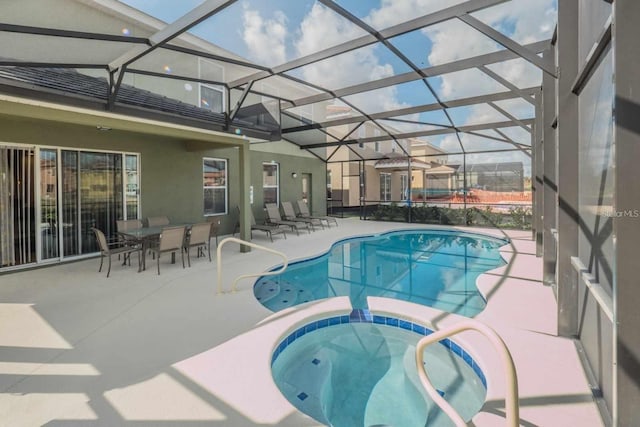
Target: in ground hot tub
[359, 370]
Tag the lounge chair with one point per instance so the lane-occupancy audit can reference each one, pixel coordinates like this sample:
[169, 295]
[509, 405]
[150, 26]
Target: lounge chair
[290, 215]
[273, 217]
[304, 213]
[270, 229]
[107, 250]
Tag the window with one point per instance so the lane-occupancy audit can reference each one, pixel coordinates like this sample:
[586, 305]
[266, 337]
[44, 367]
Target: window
[362, 133]
[271, 183]
[211, 96]
[329, 195]
[404, 187]
[385, 187]
[132, 190]
[214, 175]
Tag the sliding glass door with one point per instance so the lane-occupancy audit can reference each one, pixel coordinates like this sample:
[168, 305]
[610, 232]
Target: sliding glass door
[92, 196]
[49, 243]
[51, 198]
[69, 195]
[17, 207]
[101, 196]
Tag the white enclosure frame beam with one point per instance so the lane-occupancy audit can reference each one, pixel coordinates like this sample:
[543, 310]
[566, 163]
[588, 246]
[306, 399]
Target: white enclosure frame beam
[513, 46]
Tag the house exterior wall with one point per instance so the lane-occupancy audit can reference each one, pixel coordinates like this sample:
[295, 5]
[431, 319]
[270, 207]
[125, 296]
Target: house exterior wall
[171, 181]
[290, 188]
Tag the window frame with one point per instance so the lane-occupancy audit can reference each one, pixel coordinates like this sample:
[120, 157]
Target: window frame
[277, 186]
[385, 186]
[208, 187]
[404, 186]
[210, 86]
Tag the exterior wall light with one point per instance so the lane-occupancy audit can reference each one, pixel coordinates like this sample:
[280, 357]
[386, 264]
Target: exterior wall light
[294, 175]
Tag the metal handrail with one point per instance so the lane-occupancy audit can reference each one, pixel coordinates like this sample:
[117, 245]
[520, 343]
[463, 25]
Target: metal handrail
[244, 276]
[511, 401]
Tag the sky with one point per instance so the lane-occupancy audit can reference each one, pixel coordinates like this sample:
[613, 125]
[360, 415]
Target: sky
[272, 32]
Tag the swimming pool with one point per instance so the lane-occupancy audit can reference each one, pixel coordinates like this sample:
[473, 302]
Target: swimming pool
[430, 267]
[346, 371]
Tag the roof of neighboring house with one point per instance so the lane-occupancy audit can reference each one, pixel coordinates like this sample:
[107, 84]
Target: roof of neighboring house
[401, 164]
[442, 170]
[491, 167]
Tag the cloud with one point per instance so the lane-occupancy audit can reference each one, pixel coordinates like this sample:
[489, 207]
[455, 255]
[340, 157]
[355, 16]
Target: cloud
[518, 19]
[525, 21]
[265, 38]
[392, 12]
[322, 28]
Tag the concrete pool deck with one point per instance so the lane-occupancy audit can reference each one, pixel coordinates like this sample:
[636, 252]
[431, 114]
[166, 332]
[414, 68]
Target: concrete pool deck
[78, 349]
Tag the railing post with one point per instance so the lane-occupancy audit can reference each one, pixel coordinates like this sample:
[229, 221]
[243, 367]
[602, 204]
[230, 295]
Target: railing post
[244, 276]
[511, 399]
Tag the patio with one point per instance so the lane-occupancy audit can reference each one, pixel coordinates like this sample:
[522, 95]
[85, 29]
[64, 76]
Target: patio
[78, 349]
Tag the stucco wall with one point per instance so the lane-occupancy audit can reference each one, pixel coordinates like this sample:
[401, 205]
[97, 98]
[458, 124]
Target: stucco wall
[290, 188]
[171, 176]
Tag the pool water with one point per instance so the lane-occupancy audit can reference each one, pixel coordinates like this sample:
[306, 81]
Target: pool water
[433, 268]
[364, 374]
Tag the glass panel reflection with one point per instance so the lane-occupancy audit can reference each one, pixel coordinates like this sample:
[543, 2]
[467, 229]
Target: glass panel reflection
[49, 203]
[70, 205]
[214, 174]
[271, 183]
[132, 191]
[593, 16]
[596, 173]
[100, 196]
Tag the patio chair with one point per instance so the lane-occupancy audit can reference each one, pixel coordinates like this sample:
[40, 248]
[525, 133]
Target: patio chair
[215, 228]
[171, 240]
[157, 221]
[107, 250]
[290, 215]
[127, 225]
[200, 238]
[273, 217]
[269, 229]
[304, 213]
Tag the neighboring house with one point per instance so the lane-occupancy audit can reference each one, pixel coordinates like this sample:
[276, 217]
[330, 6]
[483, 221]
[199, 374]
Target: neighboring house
[67, 164]
[351, 181]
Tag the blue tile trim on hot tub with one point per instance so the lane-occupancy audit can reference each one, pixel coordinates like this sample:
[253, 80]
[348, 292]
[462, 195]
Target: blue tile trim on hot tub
[364, 316]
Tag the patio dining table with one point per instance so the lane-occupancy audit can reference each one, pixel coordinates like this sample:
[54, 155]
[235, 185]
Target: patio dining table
[145, 235]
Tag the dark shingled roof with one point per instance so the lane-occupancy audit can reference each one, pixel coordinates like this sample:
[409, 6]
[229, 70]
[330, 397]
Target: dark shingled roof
[69, 81]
